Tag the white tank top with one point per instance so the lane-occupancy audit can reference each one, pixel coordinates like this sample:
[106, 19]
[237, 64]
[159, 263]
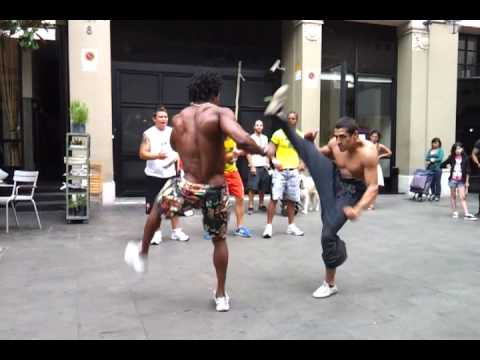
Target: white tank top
[160, 141]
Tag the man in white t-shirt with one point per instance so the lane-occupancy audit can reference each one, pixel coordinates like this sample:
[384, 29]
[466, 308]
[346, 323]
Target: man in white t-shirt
[258, 177]
[161, 166]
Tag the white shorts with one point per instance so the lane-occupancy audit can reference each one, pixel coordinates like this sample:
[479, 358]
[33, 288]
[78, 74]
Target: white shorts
[286, 185]
[381, 181]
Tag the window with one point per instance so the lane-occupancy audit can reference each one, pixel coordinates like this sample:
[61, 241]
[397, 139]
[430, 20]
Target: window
[468, 64]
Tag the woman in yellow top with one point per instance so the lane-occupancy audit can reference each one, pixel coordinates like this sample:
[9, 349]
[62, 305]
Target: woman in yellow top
[234, 185]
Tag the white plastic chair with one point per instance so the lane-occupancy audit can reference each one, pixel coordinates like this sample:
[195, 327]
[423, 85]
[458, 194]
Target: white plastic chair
[21, 180]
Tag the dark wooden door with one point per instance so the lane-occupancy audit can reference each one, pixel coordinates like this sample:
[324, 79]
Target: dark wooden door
[139, 87]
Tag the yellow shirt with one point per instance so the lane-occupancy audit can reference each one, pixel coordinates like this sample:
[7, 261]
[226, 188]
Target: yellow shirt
[229, 146]
[286, 154]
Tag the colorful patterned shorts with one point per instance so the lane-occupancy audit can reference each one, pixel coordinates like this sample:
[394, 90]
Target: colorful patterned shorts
[179, 195]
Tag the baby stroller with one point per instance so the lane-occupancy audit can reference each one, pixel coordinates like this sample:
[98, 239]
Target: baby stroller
[420, 185]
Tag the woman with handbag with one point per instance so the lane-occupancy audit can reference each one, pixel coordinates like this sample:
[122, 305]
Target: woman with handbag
[434, 159]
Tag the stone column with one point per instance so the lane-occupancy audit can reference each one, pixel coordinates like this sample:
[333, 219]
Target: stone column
[426, 94]
[92, 84]
[302, 57]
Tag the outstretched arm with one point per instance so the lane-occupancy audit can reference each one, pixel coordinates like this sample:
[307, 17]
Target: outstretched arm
[230, 127]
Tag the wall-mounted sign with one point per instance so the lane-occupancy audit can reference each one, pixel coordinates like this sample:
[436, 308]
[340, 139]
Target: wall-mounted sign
[298, 75]
[298, 72]
[312, 79]
[89, 59]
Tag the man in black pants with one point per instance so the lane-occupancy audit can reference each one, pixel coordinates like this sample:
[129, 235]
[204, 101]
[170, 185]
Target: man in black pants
[475, 159]
[345, 188]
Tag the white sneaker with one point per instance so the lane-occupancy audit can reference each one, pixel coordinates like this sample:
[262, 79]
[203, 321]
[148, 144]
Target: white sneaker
[469, 217]
[222, 303]
[325, 291]
[179, 235]
[455, 215]
[267, 234]
[134, 259]
[294, 230]
[157, 238]
[277, 104]
[188, 213]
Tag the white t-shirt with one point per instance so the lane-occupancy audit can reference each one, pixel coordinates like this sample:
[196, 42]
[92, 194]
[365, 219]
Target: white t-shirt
[160, 141]
[262, 141]
[457, 169]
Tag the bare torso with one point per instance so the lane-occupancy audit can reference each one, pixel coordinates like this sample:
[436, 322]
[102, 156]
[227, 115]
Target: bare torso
[198, 139]
[351, 164]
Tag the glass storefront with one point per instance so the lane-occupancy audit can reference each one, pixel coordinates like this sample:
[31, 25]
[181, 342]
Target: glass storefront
[358, 87]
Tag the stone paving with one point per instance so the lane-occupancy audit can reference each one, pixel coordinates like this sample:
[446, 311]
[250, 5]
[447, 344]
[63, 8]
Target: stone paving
[413, 273]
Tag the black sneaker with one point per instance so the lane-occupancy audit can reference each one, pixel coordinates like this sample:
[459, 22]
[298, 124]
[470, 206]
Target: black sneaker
[250, 211]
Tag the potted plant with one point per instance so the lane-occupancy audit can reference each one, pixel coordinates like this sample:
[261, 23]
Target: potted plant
[82, 205]
[79, 116]
[72, 206]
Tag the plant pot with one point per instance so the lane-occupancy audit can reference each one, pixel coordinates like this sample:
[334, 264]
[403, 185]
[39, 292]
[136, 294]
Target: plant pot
[78, 128]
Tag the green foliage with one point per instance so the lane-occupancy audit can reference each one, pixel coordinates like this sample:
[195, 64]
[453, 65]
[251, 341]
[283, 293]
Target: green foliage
[29, 27]
[78, 112]
[72, 204]
[82, 200]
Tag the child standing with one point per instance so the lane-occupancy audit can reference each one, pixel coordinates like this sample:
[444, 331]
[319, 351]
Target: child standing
[459, 179]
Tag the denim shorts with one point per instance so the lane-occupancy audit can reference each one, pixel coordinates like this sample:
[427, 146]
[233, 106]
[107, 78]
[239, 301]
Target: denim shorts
[454, 184]
[286, 185]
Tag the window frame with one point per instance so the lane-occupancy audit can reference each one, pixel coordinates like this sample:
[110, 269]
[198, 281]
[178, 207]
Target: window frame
[463, 68]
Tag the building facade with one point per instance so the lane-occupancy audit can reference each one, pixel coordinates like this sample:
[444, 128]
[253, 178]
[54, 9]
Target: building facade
[411, 79]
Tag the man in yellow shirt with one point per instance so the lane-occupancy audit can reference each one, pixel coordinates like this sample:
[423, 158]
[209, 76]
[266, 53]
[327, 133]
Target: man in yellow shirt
[285, 180]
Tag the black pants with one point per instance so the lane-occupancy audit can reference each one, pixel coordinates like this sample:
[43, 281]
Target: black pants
[479, 202]
[436, 186]
[153, 185]
[335, 193]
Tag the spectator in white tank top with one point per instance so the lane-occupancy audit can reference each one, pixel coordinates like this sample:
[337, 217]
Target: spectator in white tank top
[161, 165]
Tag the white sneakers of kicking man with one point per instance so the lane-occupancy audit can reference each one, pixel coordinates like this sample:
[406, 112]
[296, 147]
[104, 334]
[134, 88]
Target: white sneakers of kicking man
[277, 104]
[325, 291]
[221, 303]
[157, 238]
[134, 259]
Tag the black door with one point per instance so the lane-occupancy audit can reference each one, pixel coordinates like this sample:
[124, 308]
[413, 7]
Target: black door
[49, 107]
[139, 87]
